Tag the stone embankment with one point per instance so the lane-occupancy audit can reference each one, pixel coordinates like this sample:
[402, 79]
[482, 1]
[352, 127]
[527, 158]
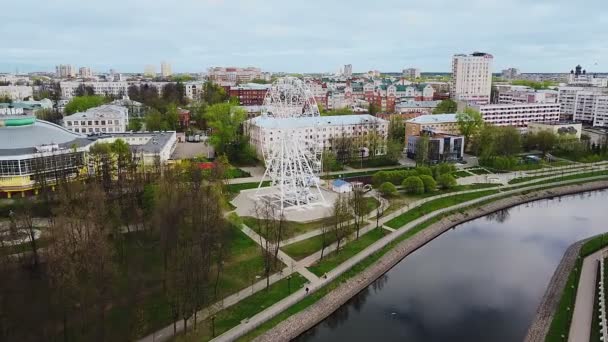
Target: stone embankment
[308, 318]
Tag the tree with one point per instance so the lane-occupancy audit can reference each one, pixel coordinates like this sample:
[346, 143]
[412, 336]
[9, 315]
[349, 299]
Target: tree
[213, 93]
[357, 205]
[135, 124]
[446, 181]
[545, 141]
[413, 185]
[339, 220]
[269, 226]
[422, 150]
[48, 114]
[469, 123]
[429, 183]
[154, 121]
[225, 120]
[507, 141]
[373, 109]
[446, 107]
[337, 111]
[387, 189]
[396, 129]
[329, 162]
[82, 103]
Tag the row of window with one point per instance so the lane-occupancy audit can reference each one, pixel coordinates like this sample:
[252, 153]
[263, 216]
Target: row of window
[45, 164]
[92, 122]
[95, 129]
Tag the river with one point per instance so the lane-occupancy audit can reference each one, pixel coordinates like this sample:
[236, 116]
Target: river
[481, 281]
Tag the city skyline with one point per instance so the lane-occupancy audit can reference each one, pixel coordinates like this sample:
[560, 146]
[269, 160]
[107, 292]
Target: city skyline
[302, 37]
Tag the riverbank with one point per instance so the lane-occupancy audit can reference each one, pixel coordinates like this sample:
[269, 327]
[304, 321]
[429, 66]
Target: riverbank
[309, 317]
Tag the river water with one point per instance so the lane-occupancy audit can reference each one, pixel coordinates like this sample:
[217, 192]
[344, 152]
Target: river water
[481, 281]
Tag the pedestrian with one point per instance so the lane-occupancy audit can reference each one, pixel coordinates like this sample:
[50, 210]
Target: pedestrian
[307, 290]
[325, 276]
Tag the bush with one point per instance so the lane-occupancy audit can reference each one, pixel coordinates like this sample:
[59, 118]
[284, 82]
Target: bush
[423, 171]
[387, 189]
[413, 185]
[429, 183]
[446, 181]
[396, 177]
[442, 169]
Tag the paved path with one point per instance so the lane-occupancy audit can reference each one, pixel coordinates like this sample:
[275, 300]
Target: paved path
[580, 328]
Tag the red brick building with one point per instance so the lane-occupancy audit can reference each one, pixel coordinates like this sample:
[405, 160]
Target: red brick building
[249, 94]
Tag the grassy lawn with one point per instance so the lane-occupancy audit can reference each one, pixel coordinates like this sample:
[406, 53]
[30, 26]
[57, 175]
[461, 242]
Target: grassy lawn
[362, 173]
[333, 259]
[292, 228]
[460, 174]
[370, 205]
[479, 171]
[304, 248]
[247, 308]
[234, 172]
[433, 205]
[565, 178]
[236, 188]
[378, 162]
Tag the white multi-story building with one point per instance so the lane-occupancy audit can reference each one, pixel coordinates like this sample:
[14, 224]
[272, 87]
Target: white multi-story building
[85, 72]
[102, 119]
[263, 129]
[233, 75]
[194, 90]
[117, 89]
[65, 71]
[527, 96]
[165, 69]
[510, 73]
[583, 104]
[518, 114]
[412, 73]
[16, 93]
[472, 77]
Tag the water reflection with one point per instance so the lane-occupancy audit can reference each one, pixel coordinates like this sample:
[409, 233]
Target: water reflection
[479, 282]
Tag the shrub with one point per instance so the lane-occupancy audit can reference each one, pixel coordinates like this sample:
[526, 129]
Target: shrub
[413, 185]
[442, 169]
[387, 189]
[446, 181]
[429, 183]
[424, 171]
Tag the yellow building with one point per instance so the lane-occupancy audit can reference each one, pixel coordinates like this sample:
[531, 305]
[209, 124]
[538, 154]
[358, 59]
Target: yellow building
[438, 123]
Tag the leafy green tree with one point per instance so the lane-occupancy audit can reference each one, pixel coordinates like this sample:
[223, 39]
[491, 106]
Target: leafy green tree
[446, 181]
[422, 150]
[545, 141]
[396, 129]
[213, 93]
[330, 163]
[225, 121]
[338, 111]
[135, 124]
[394, 150]
[413, 185]
[154, 121]
[534, 84]
[82, 103]
[429, 183]
[50, 115]
[507, 141]
[387, 189]
[469, 123]
[373, 109]
[446, 107]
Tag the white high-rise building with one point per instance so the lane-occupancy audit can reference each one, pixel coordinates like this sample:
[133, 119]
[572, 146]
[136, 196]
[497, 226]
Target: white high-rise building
[165, 69]
[510, 73]
[65, 70]
[348, 70]
[85, 72]
[472, 77]
[584, 104]
[412, 73]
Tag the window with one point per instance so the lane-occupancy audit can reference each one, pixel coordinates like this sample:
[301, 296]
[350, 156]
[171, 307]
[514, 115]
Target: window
[69, 123]
[90, 123]
[83, 123]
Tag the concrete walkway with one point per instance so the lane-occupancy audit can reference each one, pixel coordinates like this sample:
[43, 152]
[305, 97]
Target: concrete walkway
[580, 328]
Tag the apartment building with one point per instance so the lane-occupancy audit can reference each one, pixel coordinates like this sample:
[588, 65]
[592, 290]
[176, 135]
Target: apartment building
[438, 123]
[65, 71]
[249, 94]
[85, 72]
[527, 96]
[324, 129]
[165, 69]
[118, 89]
[233, 75]
[411, 73]
[585, 104]
[102, 119]
[16, 92]
[518, 114]
[472, 77]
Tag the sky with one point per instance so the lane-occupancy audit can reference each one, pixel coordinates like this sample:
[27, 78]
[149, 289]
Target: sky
[302, 36]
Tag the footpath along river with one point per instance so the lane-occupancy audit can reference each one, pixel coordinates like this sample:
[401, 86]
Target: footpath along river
[481, 281]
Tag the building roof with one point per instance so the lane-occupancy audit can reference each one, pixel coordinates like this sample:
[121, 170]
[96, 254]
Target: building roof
[434, 119]
[339, 182]
[24, 139]
[334, 120]
[103, 111]
[417, 104]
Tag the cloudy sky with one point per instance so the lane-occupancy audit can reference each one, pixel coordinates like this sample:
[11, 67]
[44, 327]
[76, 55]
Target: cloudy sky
[302, 36]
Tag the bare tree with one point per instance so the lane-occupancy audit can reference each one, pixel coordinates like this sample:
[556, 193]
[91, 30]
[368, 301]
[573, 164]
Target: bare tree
[270, 226]
[340, 217]
[357, 204]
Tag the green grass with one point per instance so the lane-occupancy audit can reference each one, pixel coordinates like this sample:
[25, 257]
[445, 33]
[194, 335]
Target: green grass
[460, 174]
[567, 177]
[234, 172]
[304, 248]
[377, 162]
[292, 228]
[433, 205]
[347, 251]
[236, 188]
[232, 316]
[479, 171]
[347, 174]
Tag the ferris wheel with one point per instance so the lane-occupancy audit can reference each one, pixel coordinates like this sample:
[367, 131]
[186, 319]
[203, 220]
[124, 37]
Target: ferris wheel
[293, 155]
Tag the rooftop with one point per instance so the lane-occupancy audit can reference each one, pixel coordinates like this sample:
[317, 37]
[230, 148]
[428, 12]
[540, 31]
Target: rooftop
[103, 111]
[416, 104]
[335, 120]
[24, 139]
[435, 118]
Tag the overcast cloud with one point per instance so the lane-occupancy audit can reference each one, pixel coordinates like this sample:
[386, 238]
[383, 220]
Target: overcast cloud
[302, 36]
